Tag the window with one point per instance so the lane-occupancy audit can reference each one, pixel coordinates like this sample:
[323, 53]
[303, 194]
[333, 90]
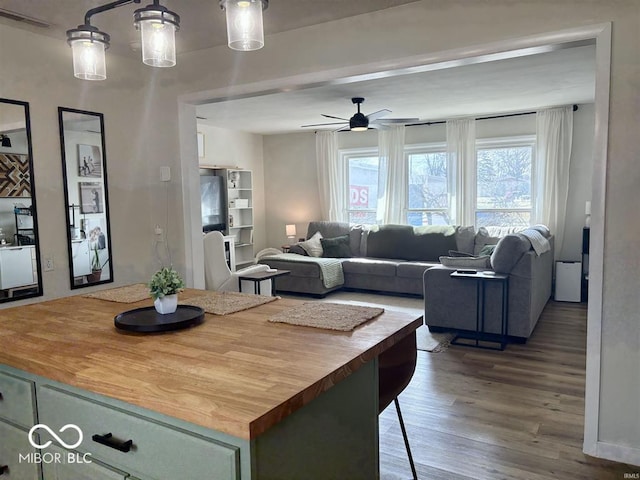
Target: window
[504, 182]
[362, 179]
[428, 194]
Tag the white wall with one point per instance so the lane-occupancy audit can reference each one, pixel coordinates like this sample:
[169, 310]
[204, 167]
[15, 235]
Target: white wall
[290, 170]
[38, 70]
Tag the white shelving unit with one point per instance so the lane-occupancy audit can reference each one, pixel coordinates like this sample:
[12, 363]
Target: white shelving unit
[238, 185]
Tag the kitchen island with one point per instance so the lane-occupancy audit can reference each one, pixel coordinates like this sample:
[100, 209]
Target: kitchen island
[236, 397]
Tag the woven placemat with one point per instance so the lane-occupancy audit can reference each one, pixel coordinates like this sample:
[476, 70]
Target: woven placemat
[224, 303]
[129, 294]
[331, 316]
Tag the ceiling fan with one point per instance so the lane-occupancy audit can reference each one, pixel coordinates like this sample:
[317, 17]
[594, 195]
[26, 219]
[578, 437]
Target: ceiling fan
[361, 122]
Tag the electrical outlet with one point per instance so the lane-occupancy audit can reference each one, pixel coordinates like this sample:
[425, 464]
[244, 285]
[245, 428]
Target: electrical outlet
[48, 264]
[159, 233]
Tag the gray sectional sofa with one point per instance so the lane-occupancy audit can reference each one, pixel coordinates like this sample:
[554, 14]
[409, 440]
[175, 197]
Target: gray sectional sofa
[403, 259]
[385, 258]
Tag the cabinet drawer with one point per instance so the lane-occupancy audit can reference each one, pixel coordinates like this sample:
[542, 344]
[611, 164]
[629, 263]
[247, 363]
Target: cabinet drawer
[16, 400]
[63, 470]
[13, 443]
[158, 451]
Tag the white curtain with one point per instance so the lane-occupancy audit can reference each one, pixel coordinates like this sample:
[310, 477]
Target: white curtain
[554, 133]
[331, 178]
[461, 160]
[392, 176]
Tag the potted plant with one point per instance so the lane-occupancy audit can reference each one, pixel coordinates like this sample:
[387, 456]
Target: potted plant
[96, 268]
[164, 287]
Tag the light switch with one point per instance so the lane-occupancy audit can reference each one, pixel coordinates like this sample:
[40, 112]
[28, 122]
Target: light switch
[165, 174]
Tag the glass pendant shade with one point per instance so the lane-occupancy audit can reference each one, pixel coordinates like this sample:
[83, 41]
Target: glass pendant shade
[88, 47]
[158, 43]
[158, 28]
[244, 24]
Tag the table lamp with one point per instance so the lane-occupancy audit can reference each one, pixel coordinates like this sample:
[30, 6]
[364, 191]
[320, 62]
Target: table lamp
[291, 232]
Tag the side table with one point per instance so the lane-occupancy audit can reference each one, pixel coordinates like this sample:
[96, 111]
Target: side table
[258, 277]
[481, 278]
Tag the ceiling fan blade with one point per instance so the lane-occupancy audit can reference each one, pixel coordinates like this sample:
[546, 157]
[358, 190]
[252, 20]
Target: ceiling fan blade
[380, 113]
[322, 124]
[337, 118]
[343, 129]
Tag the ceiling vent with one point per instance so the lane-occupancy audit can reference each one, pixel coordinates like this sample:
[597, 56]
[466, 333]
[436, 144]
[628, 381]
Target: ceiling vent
[18, 17]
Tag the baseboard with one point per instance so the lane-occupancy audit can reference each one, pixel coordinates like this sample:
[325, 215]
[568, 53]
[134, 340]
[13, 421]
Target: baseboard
[618, 453]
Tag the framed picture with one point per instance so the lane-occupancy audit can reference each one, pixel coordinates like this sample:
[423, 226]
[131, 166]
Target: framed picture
[91, 197]
[89, 161]
[200, 145]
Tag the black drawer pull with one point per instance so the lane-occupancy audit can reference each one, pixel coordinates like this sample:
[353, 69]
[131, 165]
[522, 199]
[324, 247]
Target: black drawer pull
[108, 440]
[0, 399]
[4, 468]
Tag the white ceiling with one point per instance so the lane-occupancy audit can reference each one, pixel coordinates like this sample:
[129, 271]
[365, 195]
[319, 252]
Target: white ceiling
[503, 86]
[518, 84]
[202, 22]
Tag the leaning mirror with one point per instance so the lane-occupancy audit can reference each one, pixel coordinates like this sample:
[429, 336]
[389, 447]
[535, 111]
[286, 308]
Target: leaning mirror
[20, 274]
[84, 168]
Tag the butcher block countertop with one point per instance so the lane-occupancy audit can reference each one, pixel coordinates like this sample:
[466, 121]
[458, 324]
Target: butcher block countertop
[238, 374]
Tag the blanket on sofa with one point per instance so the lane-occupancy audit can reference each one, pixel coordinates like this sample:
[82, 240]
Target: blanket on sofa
[330, 268]
[539, 243]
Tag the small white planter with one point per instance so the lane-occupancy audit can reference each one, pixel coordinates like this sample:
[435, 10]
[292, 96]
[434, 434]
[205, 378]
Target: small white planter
[166, 304]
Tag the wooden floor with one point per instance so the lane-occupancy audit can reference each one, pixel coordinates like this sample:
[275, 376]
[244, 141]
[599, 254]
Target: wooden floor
[475, 414]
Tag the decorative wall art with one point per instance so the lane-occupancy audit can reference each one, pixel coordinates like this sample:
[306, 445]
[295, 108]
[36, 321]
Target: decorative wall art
[91, 197]
[89, 161]
[15, 179]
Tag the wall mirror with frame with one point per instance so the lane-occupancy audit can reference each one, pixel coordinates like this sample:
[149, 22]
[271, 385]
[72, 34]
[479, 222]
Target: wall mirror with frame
[84, 170]
[20, 272]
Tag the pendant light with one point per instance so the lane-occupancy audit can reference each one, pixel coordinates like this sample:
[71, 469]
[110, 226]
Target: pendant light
[158, 27]
[244, 23]
[88, 45]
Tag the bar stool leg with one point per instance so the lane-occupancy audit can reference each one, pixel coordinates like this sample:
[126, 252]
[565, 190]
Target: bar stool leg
[406, 440]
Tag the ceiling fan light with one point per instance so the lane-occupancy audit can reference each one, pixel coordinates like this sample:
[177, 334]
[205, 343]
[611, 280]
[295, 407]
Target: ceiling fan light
[158, 28]
[88, 46]
[358, 123]
[245, 30]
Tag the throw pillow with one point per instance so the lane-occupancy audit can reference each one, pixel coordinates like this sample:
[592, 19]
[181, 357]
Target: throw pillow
[487, 250]
[508, 252]
[466, 262]
[483, 238]
[313, 246]
[337, 247]
[456, 253]
[297, 248]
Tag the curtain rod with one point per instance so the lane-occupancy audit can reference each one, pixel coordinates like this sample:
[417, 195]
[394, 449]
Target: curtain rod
[506, 115]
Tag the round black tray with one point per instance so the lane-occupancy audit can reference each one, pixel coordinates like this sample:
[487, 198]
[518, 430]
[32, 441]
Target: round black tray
[147, 320]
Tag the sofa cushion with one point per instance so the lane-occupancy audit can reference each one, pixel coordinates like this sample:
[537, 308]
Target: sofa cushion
[337, 247]
[370, 266]
[465, 239]
[413, 269]
[328, 229]
[508, 252]
[466, 262]
[425, 243]
[313, 246]
[457, 253]
[355, 238]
